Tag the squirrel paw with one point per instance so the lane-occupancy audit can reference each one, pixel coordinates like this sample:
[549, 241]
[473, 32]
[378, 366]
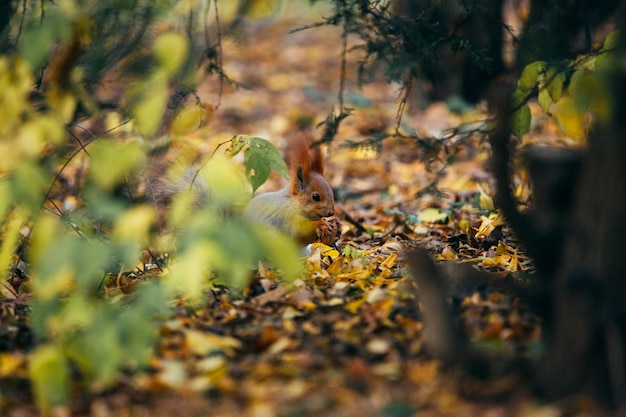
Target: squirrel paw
[328, 230]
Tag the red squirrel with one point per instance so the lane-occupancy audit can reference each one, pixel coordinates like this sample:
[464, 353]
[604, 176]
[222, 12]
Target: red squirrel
[303, 208]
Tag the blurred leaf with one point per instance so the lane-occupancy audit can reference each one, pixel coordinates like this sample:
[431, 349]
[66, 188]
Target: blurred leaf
[49, 374]
[432, 215]
[9, 234]
[520, 121]
[545, 101]
[187, 120]
[225, 182]
[5, 199]
[203, 343]
[529, 76]
[62, 103]
[610, 42]
[148, 104]
[259, 9]
[569, 118]
[589, 92]
[555, 85]
[41, 34]
[189, 271]
[31, 139]
[112, 162]
[76, 313]
[170, 50]
[282, 252]
[28, 185]
[485, 200]
[135, 223]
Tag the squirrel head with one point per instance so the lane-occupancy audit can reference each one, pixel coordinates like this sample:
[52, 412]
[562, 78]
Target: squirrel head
[308, 186]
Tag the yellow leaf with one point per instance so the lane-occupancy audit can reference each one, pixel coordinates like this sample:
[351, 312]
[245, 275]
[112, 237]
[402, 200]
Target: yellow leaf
[10, 363]
[189, 271]
[354, 306]
[390, 262]
[187, 120]
[448, 253]
[62, 103]
[336, 266]
[149, 105]
[485, 200]
[135, 223]
[488, 225]
[464, 225]
[570, 118]
[112, 162]
[9, 239]
[31, 139]
[204, 343]
[170, 50]
[432, 215]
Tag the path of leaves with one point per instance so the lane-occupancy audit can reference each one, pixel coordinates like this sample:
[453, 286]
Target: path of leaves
[346, 339]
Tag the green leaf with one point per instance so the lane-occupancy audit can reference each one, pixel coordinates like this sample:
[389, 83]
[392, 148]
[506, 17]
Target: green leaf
[112, 162]
[5, 199]
[257, 169]
[545, 100]
[555, 85]
[607, 57]
[610, 42]
[226, 185]
[283, 252]
[518, 98]
[529, 76]
[261, 157]
[28, 186]
[575, 81]
[40, 36]
[170, 50]
[148, 103]
[520, 121]
[49, 376]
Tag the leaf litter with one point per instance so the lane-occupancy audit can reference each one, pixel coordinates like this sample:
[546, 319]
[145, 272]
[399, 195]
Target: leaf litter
[346, 338]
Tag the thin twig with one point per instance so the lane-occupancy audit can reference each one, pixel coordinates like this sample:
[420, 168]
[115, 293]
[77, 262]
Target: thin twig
[21, 26]
[408, 83]
[220, 52]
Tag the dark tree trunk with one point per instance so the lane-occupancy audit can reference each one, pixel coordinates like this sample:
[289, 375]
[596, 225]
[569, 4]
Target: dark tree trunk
[576, 234]
[587, 350]
[7, 10]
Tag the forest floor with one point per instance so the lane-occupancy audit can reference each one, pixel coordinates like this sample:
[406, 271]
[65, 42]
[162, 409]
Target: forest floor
[347, 338]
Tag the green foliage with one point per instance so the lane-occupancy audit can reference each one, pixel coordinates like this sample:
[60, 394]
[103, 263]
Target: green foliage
[259, 158]
[569, 90]
[75, 250]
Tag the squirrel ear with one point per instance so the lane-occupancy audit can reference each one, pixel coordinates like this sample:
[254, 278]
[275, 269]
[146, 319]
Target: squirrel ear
[301, 182]
[317, 160]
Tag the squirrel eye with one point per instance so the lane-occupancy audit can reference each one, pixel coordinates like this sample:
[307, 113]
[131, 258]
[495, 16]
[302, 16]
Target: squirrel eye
[316, 197]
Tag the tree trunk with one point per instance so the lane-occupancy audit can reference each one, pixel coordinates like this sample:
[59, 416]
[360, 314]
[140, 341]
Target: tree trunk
[586, 351]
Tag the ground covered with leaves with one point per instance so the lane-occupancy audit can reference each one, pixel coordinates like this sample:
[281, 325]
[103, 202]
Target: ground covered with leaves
[347, 337]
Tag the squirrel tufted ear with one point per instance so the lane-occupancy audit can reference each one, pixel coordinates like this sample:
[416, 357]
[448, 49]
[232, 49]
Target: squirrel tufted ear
[317, 160]
[301, 182]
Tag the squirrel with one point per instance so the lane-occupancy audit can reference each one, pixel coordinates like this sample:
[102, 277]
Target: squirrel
[304, 209]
